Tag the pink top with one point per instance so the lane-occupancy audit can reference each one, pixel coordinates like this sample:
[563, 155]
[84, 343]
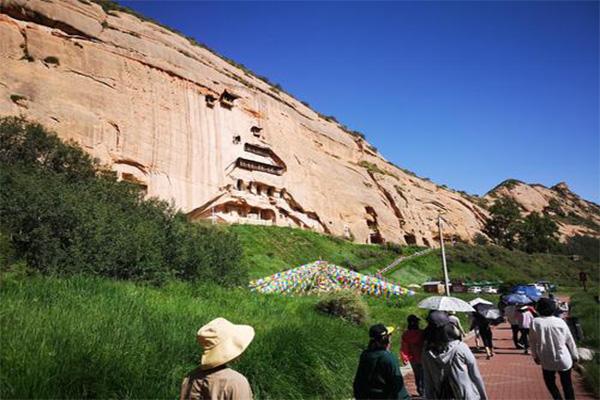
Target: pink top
[525, 318]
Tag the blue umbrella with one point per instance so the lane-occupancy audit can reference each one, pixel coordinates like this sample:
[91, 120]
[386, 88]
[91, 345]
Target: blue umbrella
[516, 298]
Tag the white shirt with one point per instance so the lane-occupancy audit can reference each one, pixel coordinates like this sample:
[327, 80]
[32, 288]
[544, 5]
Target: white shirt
[552, 343]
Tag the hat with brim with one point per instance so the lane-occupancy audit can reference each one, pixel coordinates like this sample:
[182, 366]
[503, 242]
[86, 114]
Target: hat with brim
[222, 342]
[380, 331]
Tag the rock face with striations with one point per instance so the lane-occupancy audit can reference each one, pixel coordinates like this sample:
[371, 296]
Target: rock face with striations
[197, 131]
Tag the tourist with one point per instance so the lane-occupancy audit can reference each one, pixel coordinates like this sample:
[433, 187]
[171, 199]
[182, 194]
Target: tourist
[482, 324]
[553, 347]
[525, 316]
[583, 280]
[378, 374]
[456, 322]
[510, 312]
[449, 367]
[475, 330]
[223, 342]
[411, 349]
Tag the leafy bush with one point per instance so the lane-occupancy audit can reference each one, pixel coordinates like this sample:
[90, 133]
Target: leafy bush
[395, 247]
[586, 246]
[346, 305]
[65, 215]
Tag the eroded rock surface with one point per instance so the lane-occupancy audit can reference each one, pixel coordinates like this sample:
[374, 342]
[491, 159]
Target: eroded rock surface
[195, 130]
[574, 215]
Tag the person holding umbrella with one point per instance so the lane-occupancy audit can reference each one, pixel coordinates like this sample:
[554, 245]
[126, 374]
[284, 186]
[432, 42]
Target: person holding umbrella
[524, 317]
[482, 324]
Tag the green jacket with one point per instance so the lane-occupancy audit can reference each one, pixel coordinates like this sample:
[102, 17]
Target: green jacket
[378, 377]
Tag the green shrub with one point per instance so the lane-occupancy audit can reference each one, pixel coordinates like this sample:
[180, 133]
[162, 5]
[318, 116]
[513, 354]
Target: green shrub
[64, 215]
[346, 305]
[480, 239]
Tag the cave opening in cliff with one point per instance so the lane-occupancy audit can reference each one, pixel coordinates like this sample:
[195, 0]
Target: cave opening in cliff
[227, 99]
[426, 242]
[210, 100]
[132, 179]
[256, 131]
[410, 239]
[237, 139]
[239, 184]
[375, 238]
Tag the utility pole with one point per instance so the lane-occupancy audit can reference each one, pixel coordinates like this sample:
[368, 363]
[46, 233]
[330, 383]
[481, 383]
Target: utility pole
[446, 281]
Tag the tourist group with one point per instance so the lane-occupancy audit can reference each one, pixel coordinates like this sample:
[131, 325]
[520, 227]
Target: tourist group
[443, 365]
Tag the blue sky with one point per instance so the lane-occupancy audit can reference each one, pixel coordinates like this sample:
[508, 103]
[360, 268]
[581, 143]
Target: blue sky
[465, 93]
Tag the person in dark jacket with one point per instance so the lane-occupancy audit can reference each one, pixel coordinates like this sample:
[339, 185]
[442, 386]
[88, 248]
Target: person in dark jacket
[378, 374]
[485, 331]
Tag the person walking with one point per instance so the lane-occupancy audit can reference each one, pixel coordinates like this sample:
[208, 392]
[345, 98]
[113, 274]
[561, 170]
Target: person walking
[525, 317]
[510, 312]
[378, 374]
[223, 342]
[449, 367]
[411, 349]
[553, 347]
[482, 324]
[475, 329]
[456, 322]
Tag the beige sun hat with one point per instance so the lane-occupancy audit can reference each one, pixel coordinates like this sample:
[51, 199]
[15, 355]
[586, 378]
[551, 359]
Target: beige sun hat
[222, 342]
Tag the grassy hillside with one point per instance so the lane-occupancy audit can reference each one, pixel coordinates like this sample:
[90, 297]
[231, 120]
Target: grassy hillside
[492, 263]
[270, 249]
[93, 337]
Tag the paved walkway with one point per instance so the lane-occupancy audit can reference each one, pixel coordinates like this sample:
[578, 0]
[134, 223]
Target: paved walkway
[510, 374]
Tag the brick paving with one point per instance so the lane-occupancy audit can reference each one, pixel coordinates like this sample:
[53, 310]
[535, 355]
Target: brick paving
[510, 374]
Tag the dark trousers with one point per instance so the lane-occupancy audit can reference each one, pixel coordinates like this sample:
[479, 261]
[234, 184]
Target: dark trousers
[525, 338]
[565, 381]
[418, 371]
[515, 335]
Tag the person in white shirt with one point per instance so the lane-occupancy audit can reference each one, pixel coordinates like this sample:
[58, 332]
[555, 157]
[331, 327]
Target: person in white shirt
[553, 347]
[525, 317]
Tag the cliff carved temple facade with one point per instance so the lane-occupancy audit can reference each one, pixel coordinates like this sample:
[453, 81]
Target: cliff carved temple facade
[195, 130]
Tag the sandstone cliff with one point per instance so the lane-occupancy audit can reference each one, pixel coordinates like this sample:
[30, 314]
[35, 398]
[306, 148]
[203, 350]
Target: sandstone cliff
[574, 215]
[195, 130]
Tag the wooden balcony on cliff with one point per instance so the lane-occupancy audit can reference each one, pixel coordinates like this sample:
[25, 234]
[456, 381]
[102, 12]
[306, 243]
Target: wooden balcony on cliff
[252, 165]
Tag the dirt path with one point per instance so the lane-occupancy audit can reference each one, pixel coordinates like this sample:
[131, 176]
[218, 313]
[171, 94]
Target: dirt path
[510, 374]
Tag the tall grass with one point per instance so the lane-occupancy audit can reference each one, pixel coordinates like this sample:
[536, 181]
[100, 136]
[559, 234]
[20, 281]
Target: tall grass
[90, 337]
[587, 310]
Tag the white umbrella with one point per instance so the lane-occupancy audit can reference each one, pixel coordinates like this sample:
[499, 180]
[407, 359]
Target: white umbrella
[446, 303]
[479, 300]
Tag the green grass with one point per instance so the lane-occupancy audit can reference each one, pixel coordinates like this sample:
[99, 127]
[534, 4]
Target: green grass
[584, 307]
[92, 337]
[474, 263]
[269, 249]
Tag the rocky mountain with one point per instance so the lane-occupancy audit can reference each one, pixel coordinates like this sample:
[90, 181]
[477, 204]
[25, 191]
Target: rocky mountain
[574, 215]
[206, 134]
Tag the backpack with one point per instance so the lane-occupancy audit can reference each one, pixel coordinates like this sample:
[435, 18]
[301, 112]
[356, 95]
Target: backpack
[446, 392]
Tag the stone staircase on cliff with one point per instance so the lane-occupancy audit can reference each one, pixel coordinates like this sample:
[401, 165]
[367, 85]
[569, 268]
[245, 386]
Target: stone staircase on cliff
[400, 259]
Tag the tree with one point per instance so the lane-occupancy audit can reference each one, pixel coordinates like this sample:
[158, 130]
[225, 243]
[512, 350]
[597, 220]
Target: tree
[537, 234]
[503, 224]
[586, 246]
